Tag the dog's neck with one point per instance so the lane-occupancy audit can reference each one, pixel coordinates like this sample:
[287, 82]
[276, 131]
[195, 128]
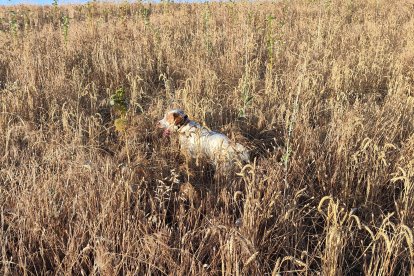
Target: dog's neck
[188, 126]
[183, 122]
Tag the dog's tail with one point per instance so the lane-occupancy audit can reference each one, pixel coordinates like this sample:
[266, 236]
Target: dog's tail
[242, 153]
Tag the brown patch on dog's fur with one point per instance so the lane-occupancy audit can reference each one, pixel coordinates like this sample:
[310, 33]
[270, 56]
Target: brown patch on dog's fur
[178, 118]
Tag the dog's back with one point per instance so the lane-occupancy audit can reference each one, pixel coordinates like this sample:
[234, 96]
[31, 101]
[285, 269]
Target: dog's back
[215, 146]
[200, 142]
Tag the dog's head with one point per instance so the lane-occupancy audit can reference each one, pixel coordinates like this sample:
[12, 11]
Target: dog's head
[173, 120]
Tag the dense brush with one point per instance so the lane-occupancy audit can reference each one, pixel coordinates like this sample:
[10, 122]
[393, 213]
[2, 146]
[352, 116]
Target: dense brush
[321, 92]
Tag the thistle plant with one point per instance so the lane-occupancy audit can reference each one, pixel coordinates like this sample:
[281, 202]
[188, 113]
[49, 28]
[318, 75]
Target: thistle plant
[145, 14]
[246, 97]
[55, 11]
[246, 89]
[13, 23]
[65, 27]
[120, 105]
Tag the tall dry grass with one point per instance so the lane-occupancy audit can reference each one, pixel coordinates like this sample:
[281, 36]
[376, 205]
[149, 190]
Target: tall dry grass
[321, 91]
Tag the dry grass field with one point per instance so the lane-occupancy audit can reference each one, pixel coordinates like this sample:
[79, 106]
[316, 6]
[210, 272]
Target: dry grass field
[322, 92]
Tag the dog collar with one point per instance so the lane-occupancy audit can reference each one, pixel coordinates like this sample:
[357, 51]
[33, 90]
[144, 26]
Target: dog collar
[183, 123]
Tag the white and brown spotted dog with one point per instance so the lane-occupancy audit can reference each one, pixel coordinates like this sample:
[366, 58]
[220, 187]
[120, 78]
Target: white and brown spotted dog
[199, 142]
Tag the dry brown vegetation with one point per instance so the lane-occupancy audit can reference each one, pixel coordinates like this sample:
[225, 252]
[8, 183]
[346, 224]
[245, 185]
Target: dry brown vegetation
[321, 91]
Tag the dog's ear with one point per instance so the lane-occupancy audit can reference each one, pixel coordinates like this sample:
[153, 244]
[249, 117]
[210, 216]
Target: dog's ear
[179, 118]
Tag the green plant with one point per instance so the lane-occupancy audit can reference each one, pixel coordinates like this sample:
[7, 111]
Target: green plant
[270, 38]
[246, 89]
[206, 28]
[119, 103]
[65, 27]
[145, 14]
[55, 10]
[14, 27]
[246, 96]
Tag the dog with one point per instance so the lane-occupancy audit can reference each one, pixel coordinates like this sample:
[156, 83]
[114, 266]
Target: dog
[201, 143]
